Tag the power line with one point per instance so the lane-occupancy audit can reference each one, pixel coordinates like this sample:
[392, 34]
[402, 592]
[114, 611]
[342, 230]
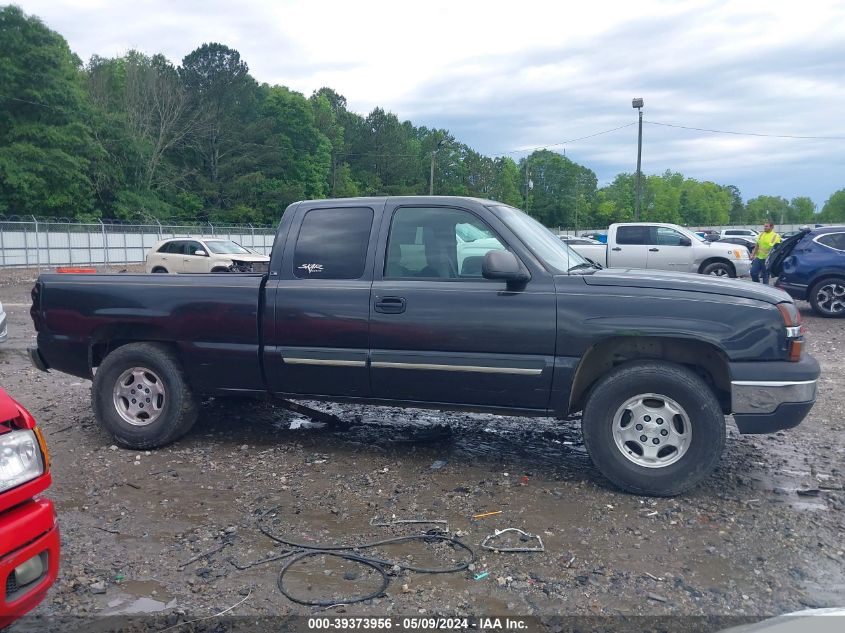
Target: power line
[572, 140]
[702, 129]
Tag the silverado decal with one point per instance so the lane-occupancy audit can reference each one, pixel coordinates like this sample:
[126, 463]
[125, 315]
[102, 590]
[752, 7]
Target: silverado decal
[312, 268]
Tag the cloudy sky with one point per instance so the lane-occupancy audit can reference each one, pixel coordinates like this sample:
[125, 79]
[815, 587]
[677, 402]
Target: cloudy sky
[506, 76]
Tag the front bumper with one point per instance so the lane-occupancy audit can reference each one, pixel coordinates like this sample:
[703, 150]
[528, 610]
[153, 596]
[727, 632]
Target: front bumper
[742, 267]
[771, 396]
[27, 531]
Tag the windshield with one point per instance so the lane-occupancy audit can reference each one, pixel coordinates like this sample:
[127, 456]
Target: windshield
[541, 241]
[226, 247]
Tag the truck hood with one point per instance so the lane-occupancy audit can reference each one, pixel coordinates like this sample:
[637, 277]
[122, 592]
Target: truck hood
[688, 282]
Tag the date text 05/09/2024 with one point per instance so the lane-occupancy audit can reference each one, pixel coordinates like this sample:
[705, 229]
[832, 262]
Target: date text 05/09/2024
[418, 624]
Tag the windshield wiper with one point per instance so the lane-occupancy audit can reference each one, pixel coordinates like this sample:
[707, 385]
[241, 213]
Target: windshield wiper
[582, 265]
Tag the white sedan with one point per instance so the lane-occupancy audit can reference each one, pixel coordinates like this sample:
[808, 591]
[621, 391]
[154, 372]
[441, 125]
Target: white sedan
[200, 255]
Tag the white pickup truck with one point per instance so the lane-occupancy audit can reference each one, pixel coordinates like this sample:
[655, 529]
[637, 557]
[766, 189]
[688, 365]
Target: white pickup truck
[666, 247]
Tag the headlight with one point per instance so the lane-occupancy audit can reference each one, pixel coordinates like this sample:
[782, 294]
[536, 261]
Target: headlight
[20, 458]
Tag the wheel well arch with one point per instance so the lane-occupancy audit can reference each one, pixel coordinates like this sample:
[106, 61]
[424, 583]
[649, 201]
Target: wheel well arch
[155, 268]
[220, 269]
[825, 274]
[106, 341]
[715, 260]
[706, 359]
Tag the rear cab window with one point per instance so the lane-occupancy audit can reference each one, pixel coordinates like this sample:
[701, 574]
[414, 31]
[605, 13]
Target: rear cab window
[333, 243]
[633, 235]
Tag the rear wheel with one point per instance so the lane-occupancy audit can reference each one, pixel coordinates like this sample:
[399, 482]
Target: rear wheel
[654, 428]
[828, 297]
[141, 397]
[719, 269]
[159, 269]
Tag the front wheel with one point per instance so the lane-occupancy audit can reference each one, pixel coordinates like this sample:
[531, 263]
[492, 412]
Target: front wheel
[140, 396]
[654, 428]
[719, 269]
[827, 297]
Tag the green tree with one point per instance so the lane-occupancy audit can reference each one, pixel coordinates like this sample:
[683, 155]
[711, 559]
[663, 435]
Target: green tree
[833, 210]
[222, 95]
[802, 210]
[763, 208]
[46, 144]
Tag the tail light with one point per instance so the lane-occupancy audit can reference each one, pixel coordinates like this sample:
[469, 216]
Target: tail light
[794, 330]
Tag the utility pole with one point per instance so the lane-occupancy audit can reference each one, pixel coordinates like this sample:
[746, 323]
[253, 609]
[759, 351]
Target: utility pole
[431, 175]
[638, 104]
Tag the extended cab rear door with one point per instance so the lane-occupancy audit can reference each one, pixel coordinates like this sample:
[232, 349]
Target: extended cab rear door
[628, 247]
[317, 340]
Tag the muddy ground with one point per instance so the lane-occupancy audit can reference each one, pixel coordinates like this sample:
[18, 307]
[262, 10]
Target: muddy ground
[763, 536]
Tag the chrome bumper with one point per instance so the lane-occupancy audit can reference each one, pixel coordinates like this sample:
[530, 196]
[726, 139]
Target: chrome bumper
[765, 396]
[742, 266]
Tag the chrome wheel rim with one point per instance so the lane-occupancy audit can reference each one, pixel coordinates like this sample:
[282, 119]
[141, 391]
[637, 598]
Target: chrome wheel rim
[652, 430]
[139, 396]
[831, 297]
[719, 272]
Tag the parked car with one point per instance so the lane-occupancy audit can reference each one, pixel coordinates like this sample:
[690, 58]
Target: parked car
[811, 266]
[365, 302]
[666, 247]
[29, 535]
[4, 326]
[740, 240]
[201, 255]
[740, 233]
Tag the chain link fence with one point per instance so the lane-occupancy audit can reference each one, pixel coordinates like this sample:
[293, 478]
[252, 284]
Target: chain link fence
[34, 243]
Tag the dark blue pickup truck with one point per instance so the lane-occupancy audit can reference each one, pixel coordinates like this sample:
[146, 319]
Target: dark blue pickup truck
[447, 303]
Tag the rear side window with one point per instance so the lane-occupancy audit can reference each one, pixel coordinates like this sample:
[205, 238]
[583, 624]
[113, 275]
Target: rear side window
[333, 243]
[634, 235]
[833, 240]
[171, 247]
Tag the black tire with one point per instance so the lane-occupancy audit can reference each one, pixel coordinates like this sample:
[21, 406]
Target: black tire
[822, 297]
[719, 269]
[690, 392]
[178, 407]
[159, 269]
[219, 270]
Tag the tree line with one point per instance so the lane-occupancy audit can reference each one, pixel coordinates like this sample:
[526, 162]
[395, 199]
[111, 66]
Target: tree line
[138, 138]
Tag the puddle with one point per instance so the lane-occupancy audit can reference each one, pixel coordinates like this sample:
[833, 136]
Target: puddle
[134, 597]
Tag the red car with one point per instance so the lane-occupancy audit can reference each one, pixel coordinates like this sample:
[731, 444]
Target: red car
[29, 535]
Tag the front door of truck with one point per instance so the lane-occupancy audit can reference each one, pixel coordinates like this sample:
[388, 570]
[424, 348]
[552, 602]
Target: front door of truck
[319, 340]
[669, 250]
[439, 331]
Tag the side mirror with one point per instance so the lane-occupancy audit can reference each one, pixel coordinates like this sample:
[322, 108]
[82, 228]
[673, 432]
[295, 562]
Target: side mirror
[685, 241]
[200, 252]
[505, 266]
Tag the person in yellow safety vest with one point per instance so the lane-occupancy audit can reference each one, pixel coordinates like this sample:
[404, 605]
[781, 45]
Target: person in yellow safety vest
[765, 242]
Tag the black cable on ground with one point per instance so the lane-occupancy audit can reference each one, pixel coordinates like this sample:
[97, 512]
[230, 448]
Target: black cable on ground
[363, 560]
[307, 550]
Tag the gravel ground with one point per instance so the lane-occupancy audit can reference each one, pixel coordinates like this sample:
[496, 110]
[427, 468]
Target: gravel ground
[763, 536]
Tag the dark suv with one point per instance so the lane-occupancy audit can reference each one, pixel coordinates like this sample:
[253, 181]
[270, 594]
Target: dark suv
[811, 266]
